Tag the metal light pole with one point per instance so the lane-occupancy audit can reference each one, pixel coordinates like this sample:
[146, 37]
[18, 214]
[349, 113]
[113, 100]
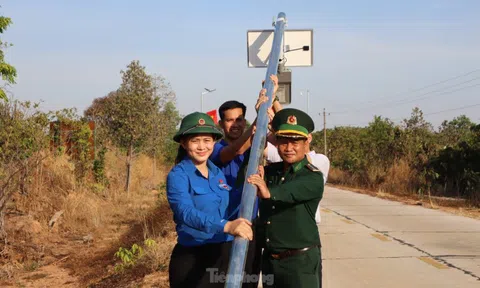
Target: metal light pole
[249, 193]
[324, 131]
[201, 97]
[308, 98]
[301, 96]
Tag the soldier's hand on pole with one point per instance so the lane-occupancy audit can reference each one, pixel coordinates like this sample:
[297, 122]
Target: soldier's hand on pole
[239, 227]
[257, 180]
[261, 171]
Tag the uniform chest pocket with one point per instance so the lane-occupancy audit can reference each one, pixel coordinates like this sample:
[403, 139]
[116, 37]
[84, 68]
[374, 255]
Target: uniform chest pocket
[204, 199]
[200, 191]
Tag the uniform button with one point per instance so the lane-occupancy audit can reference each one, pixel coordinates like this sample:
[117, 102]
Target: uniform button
[268, 222]
[268, 240]
[283, 179]
[273, 207]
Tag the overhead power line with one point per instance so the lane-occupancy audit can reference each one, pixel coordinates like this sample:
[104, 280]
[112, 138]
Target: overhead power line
[444, 93]
[401, 102]
[426, 114]
[453, 109]
[415, 90]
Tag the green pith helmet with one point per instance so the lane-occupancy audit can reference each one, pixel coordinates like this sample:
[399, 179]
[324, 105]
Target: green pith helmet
[197, 123]
[292, 123]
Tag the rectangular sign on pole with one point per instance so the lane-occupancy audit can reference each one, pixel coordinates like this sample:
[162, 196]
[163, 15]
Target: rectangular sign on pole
[298, 48]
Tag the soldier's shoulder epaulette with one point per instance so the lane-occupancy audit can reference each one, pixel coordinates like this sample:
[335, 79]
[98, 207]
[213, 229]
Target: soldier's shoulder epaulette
[312, 167]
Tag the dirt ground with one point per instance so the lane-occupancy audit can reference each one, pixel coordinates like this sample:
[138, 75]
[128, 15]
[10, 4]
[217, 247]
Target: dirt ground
[52, 259]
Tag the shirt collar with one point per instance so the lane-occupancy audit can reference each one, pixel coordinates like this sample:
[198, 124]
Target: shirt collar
[299, 165]
[190, 167]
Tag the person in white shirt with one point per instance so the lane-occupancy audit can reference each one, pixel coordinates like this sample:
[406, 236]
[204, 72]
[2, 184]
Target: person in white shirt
[323, 164]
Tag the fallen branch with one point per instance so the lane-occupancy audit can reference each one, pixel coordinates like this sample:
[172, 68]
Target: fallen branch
[55, 218]
[60, 260]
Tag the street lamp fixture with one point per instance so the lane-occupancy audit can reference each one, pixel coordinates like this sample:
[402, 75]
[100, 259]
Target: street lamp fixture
[203, 93]
[284, 91]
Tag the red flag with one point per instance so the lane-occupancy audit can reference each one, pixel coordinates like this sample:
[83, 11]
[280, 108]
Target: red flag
[213, 114]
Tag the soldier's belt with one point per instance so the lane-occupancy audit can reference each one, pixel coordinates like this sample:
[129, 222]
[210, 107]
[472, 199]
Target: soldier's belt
[293, 252]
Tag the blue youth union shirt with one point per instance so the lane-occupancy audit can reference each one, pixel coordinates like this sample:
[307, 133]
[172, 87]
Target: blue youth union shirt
[231, 170]
[199, 204]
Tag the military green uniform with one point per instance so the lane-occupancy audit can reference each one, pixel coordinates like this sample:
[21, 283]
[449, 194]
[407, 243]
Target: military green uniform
[287, 224]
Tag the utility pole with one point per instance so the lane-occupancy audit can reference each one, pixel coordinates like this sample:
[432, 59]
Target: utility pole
[249, 194]
[325, 131]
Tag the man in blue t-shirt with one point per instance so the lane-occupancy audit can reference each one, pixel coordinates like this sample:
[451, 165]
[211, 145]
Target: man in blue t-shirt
[228, 154]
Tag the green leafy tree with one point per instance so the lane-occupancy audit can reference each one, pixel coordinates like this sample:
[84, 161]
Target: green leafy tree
[8, 72]
[165, 122]
[133, 113]
[126, 117]
[380, 134]
[78, 134]
[455, 131]
[161, 142]
[457, 168]
[376, 153]
[100, 112]
[158, 113]
[344, 146]
[444, 162]
[417, 133]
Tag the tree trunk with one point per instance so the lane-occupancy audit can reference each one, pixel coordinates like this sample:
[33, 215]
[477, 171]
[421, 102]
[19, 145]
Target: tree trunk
[3, 233]
[129, 166]
[6, 191]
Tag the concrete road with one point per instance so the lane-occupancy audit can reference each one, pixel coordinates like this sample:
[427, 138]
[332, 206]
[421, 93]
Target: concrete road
[375, 243]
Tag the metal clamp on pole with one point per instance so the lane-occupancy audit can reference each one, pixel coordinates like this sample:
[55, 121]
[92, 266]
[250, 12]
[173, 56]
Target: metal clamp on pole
[249, 196]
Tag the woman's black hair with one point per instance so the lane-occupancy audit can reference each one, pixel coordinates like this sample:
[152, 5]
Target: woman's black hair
[181, 153]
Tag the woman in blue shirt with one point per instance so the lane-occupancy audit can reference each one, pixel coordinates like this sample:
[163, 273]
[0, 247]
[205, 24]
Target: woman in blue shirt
[198, 196]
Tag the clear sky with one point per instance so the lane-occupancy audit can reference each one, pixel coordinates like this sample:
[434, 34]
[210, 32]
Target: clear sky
[368, 55]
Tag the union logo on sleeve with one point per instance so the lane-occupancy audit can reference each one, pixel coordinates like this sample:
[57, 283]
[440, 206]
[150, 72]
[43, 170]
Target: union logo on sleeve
[223, 185]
